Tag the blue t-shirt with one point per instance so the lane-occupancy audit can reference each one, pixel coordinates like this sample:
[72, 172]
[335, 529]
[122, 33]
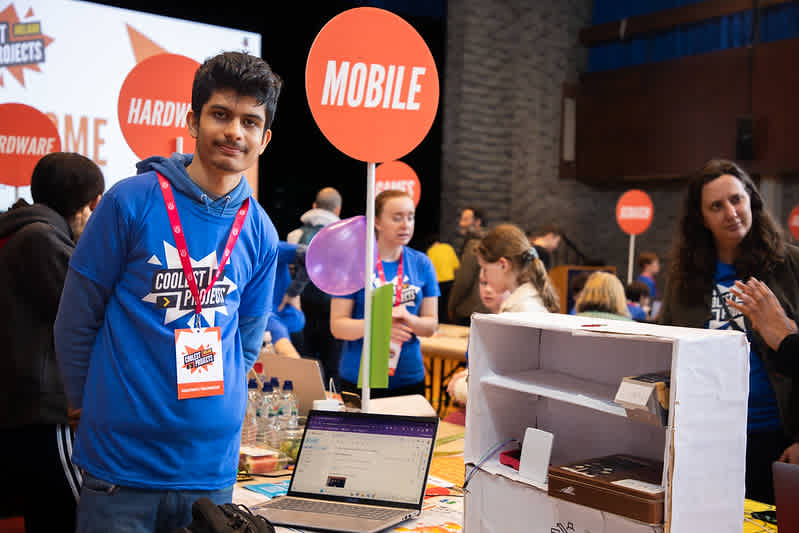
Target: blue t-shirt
[763, 414]
[636, 311]
[134, 431]
[419, 282]
[292, 318]
[650, 282]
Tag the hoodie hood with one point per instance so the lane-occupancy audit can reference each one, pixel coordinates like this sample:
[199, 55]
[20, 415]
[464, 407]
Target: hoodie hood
[318, 217]
[19, 217]
[174, 169]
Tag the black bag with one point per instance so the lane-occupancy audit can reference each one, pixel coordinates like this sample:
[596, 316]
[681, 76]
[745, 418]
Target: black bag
[208, 517]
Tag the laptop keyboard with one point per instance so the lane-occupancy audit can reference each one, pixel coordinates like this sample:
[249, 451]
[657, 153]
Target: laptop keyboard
[355, 511]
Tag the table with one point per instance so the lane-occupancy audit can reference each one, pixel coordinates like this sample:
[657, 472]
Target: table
[442, 514]
[443, 353]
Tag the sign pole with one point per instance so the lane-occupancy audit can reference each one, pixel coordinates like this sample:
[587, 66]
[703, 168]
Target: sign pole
[367, 286]
[630, 259]
[179, 145]
[16, 194]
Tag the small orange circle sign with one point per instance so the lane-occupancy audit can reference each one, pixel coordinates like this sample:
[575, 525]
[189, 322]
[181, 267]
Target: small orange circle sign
[400, 176]
[26, 135]
[634, 212]
[371, 84]
[153, 102]
[793, 222]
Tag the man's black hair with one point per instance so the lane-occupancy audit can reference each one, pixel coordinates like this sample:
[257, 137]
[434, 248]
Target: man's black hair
[66, 182]
[477, 214]
[246, 74]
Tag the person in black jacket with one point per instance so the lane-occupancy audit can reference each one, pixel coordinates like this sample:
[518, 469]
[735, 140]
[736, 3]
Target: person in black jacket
[768, 318]
[36, 242]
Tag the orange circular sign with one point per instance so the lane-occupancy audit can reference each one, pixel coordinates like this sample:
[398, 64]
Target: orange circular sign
[26, 135]
[793, 222]
[400, 176]
[153, 102]
[371, 84]
[634, 212]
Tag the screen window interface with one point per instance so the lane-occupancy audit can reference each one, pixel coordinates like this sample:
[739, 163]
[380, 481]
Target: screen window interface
[368, 459]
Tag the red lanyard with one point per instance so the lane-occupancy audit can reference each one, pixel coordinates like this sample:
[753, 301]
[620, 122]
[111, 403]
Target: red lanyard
[183, 250]
[382, 275]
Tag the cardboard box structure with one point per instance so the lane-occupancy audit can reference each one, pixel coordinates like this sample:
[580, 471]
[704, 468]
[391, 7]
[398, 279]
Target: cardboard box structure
[561, 374]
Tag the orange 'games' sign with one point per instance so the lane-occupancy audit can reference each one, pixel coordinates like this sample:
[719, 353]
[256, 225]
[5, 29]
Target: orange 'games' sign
[634, 212]
[371, 84]
[26, 135]
[400, 176]
[153, 102]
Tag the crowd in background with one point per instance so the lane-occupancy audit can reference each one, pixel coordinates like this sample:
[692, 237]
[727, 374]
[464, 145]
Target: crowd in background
[90, 341]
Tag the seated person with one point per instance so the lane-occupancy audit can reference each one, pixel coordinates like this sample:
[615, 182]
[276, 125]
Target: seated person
[576, 284]
[456, 387]
[638, 302]
[603, 297]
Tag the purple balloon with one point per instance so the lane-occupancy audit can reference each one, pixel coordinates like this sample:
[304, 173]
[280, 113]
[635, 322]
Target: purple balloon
[336, 257]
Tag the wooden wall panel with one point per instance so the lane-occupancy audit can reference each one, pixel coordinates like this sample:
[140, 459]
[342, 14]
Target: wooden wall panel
[660, 120]
[775, 103]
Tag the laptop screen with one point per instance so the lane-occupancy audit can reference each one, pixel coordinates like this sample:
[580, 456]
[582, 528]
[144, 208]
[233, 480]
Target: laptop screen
[364, 458]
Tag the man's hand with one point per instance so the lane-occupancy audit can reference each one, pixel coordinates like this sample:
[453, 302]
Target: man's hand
[791, 454]
[763, 309]
[293, 302]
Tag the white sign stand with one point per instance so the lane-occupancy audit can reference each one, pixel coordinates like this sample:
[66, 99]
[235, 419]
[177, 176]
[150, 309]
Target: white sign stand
[630, 259]
[367, 286]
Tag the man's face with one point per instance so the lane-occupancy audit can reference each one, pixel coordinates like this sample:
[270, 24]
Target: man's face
[230, 132]
[467, 222]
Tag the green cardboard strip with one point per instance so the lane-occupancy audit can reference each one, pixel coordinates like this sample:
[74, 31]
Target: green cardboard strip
[381, 337]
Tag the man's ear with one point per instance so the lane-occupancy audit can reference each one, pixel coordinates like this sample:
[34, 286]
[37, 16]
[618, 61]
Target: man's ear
[193, 123]
[93, 203]
[265, 141]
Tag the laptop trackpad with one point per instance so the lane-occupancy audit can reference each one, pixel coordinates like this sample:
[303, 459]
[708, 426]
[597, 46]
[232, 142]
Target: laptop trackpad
[343, 523]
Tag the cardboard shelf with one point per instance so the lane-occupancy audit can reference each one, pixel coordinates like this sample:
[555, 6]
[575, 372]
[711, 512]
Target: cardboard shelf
[561, 387]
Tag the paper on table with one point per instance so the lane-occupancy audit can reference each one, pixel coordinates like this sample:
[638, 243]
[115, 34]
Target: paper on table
[247, 497]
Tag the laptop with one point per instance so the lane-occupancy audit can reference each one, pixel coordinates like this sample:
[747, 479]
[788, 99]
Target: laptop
[305, 374]
[356, 472]
[786, 494]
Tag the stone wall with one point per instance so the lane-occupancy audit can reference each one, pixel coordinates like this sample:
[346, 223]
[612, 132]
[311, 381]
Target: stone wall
[506, 63]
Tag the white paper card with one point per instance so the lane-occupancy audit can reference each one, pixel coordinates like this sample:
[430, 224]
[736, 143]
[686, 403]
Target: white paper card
[536, 450]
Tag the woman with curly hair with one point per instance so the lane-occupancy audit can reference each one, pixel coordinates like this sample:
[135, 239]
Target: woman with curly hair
[509, 263]
[725, 234]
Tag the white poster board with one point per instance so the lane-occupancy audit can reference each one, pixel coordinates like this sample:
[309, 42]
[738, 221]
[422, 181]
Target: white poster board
[73, 63]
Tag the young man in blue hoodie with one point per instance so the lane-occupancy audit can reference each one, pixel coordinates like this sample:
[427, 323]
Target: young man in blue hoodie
[163, 313]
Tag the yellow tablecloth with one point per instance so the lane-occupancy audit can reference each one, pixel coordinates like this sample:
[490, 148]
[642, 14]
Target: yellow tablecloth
[752, 525]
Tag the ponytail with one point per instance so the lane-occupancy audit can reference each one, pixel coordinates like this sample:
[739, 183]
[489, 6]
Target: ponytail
[536, 273]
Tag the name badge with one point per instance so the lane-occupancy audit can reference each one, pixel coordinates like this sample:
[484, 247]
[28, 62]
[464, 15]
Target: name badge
[394, 350]
[198, 354]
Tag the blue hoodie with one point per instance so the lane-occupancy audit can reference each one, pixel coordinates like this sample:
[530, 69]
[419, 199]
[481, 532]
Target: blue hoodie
[124, 296]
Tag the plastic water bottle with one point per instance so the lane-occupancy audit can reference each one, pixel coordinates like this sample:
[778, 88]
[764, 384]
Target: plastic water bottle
[267, 421]
[288, 406]
[249, 428]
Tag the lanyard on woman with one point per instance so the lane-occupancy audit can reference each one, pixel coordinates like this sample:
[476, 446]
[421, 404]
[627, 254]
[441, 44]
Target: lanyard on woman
[382, 275]
[183, 251]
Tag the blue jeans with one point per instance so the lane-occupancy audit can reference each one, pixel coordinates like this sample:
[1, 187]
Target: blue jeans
[107, 507]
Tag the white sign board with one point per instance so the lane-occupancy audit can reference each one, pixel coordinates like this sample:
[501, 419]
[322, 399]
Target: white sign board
[69, 59]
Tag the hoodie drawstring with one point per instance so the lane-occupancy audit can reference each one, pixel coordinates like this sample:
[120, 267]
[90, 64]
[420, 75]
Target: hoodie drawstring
[206, 201]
